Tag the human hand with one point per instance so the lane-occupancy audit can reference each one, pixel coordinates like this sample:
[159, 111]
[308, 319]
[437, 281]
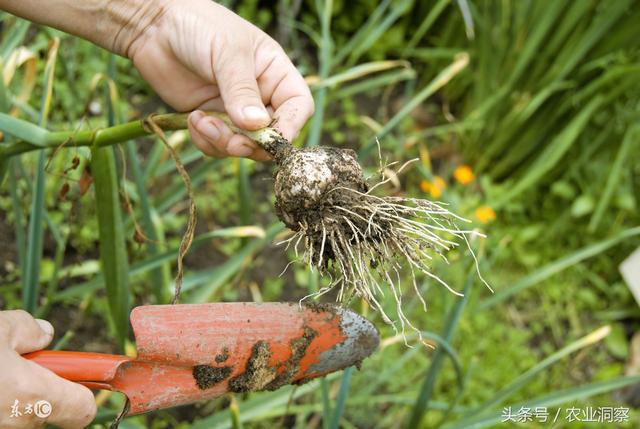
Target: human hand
[23, 382]
[197, 54]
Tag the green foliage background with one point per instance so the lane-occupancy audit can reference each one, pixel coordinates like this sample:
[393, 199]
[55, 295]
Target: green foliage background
[546, 113]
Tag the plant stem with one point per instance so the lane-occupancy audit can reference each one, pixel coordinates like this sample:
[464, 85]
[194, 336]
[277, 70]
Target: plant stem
[268, 138]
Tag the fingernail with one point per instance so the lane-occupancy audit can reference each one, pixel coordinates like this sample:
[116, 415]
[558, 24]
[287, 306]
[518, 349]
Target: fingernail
[196, 114]
[256, 114]
[210, 131]
[46, 327]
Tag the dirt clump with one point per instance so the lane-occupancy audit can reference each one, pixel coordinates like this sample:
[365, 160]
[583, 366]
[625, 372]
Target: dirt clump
[299, 347]
[223, 356]
[330, 310]
[258, 373]
[260, 376]
[207, 376]
[318, 307]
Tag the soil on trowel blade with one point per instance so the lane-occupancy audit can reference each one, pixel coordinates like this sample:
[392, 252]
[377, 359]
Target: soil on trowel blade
[207, 376]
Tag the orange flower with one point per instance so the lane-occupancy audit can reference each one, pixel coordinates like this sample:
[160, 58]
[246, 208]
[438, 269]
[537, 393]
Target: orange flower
[485, 214]
[434, 187]
[464, 174]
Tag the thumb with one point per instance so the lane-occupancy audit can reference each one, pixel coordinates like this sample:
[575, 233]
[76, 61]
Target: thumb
[24, 334]
[239, 91]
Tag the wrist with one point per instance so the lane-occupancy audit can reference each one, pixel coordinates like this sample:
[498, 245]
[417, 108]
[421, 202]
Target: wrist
[111, 24]
[128, 21]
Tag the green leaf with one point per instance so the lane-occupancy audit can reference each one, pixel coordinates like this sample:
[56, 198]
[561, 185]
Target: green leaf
[563, 189]
[617, 342]
[327, 412]
[373, 83]
[398, 9]
[209, 281]
[35, 234]
[325, 57]
[463, 5]
[244, 192]
[236, 420]
[532, 46]
[434, 12]
[176, 190]
[583, 205]
[421, 404]
[557, 266]
[437, 83]
[35, 237]
[158, 276]
[341, 400]
[552, 153]
[599, 29]
[113, 250]
[23, 130]
[14, 36]
[358, 72]
[372, 22]
[18, 212]
[4, 168]
[149, 264]
[631, 139]
[111, 230]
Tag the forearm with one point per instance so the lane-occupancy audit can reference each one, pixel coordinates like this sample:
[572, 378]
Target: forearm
[112, 24]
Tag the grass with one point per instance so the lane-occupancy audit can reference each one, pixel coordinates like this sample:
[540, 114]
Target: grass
[426, 390]
[35, 229]
[539, 98]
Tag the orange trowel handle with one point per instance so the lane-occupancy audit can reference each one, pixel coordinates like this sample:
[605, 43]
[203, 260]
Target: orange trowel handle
[94, 370]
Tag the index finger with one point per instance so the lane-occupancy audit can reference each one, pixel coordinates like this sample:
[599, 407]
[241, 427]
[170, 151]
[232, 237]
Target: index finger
[283, 87]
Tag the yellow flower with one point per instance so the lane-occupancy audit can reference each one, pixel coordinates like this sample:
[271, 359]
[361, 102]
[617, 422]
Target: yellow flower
[463, 174]
[485, 214]
[434, 187]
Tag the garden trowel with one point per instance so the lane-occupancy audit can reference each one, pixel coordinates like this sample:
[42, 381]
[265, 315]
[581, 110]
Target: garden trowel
[191, 352]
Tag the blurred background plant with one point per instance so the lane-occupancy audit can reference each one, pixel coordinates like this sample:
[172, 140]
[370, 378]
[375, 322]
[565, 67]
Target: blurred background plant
[524, 116]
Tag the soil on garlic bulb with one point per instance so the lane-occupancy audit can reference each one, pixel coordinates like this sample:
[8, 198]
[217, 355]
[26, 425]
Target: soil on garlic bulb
[306, 182]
